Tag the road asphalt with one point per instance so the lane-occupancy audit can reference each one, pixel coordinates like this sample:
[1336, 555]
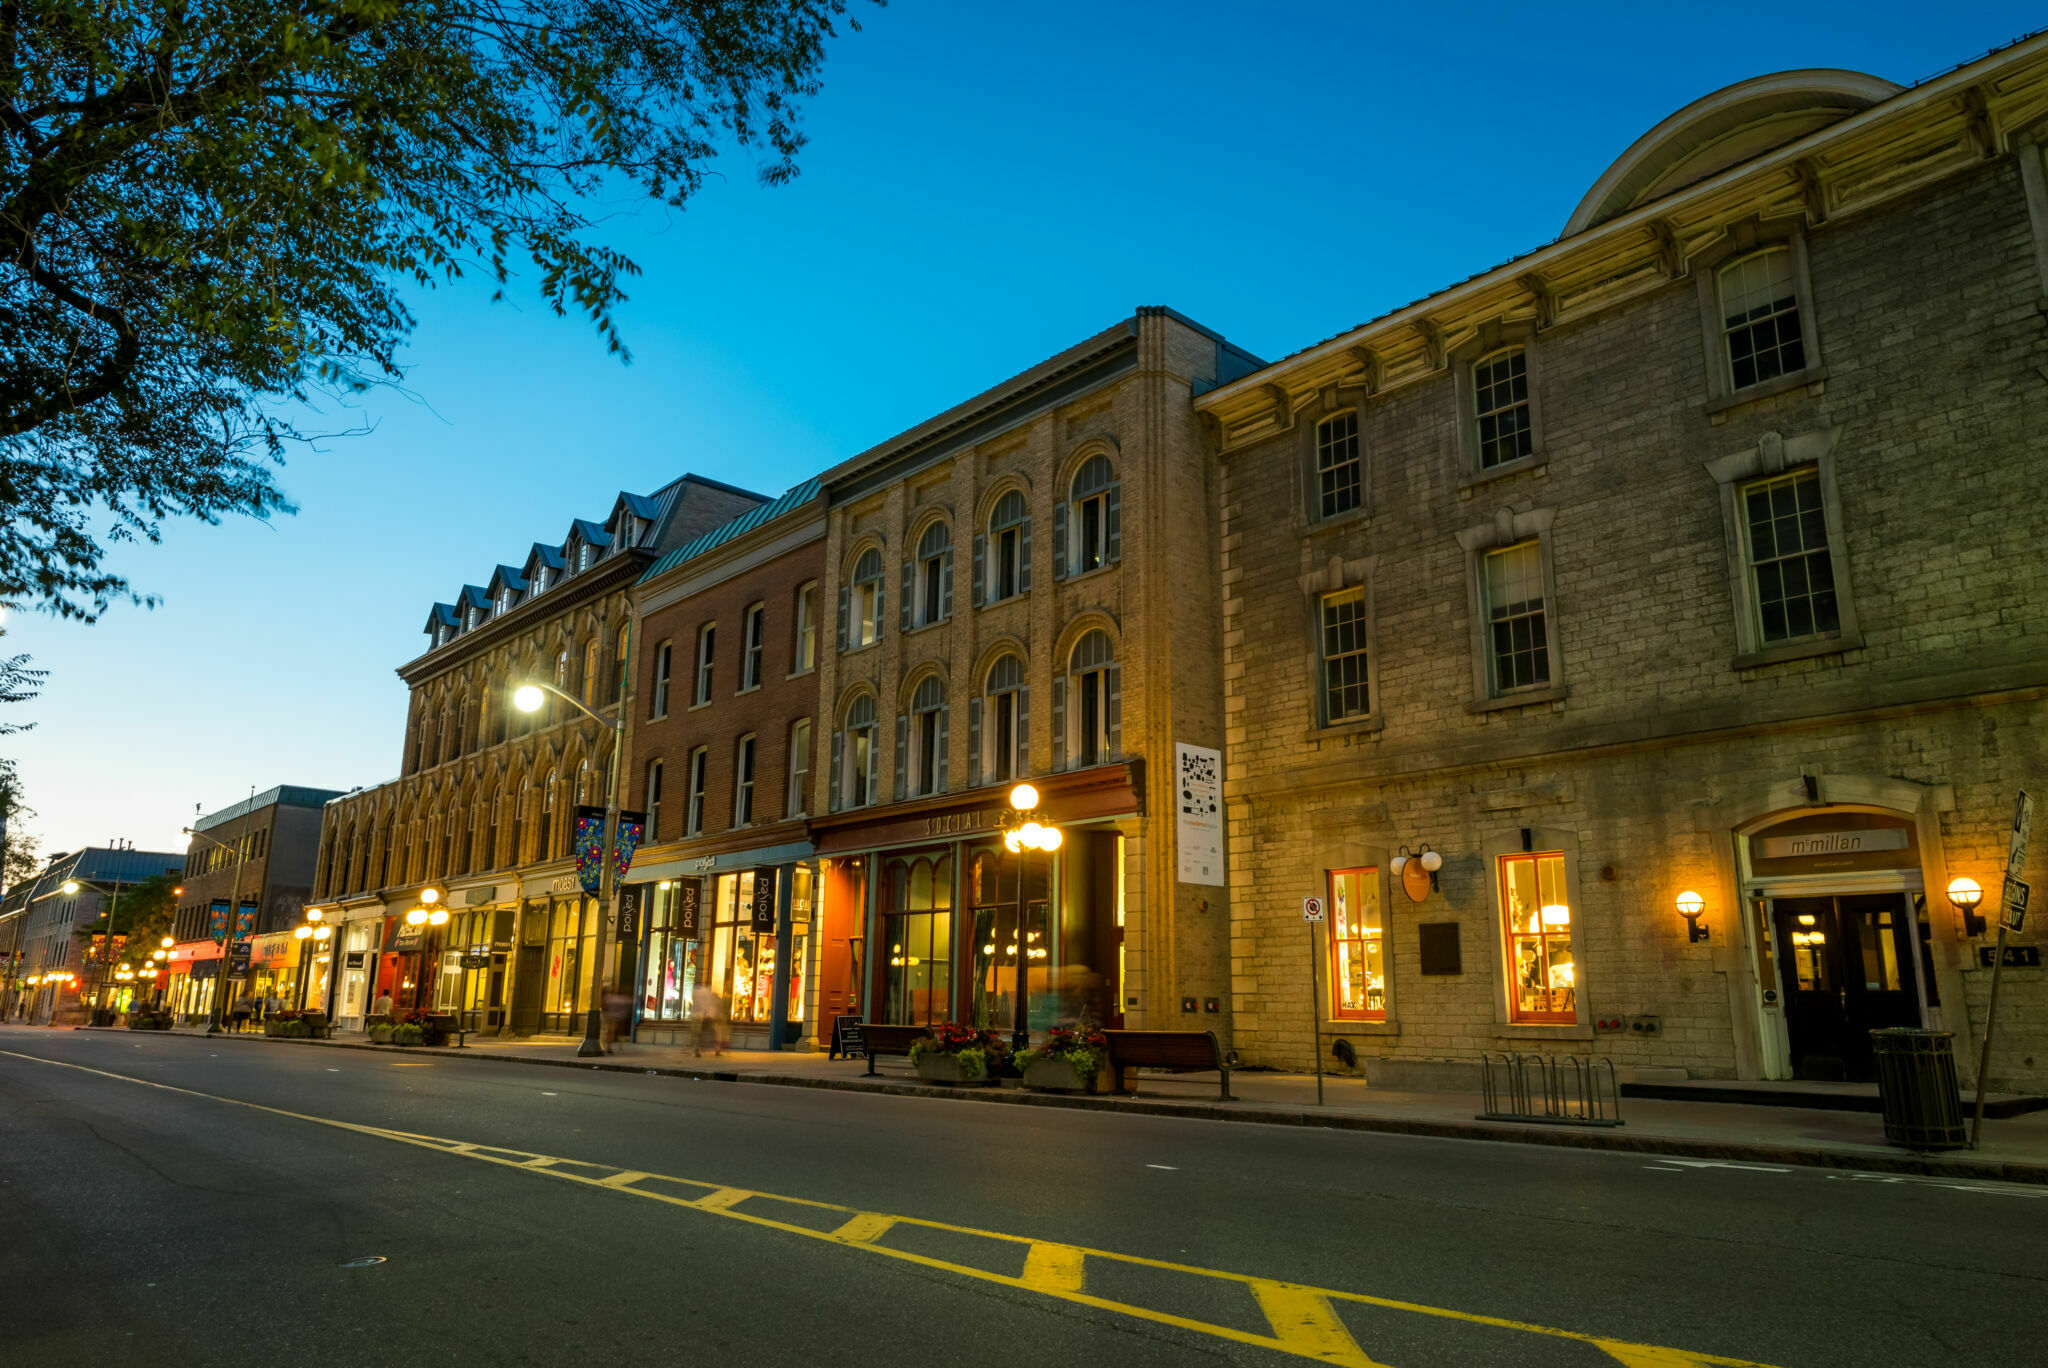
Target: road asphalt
[562, 1217]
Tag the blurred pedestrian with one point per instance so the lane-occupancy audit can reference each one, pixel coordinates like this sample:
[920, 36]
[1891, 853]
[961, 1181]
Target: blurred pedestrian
[707, 1005]
[618, 1008]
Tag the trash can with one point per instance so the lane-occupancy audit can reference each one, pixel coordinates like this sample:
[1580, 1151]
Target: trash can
[1916, 1080]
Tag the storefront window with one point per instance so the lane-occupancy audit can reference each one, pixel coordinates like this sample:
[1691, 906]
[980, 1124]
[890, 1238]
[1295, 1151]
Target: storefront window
[1539, 936]
[669, 979]
[742, 963]
[995, 941]
[572, 925]
[918, 931]
[802, 896]
[1357, 946]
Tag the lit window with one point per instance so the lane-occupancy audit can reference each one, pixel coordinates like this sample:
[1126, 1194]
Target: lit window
[1003, 720]
[1358, 984]
[858, 781]
[1346, 693]
[1790, 567]
[807, 629]
[1338, 480]
[866, 624]
[927, 737]
[1500, 404]
[1760, 318]
[1092, 700]
[1518, 650]
[590, 670]
[1538, 920]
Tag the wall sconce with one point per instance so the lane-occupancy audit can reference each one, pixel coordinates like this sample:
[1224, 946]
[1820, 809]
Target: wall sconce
[1692, 906]
[1964, 894]
[1405, 865]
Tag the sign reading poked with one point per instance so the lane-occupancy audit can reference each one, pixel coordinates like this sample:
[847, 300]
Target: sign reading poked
[689, 908]
[764, 899]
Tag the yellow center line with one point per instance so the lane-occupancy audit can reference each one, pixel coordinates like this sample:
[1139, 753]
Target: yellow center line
[1303, 1321]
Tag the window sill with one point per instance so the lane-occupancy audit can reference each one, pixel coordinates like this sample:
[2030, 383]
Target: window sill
[1784, 384]
[1101, 569]
[1013, 598]
[1526, 699]
[1345, 1026]
[1535, 1030]
[1338, 522]
[1798, 650]
[926, 626]
[799, 674]
[658, 717]
[1367, 726]
[863, 646]
[699, 707]
[1537, 461]
[742, 693]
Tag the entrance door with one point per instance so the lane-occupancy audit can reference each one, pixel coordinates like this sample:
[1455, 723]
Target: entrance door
[528, 976]
[1846, 973]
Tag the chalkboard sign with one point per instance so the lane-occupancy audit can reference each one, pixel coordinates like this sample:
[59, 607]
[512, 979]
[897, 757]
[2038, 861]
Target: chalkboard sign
[846, 1037]
[764, 899]
[689, 908]
[476, 961]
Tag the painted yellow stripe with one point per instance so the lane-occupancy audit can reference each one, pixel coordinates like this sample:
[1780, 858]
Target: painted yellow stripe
[623, 1178]
[1301, 1328]
[1054, 1267]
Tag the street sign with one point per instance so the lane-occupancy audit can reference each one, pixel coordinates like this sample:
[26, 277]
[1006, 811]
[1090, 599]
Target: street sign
[2022, 828]
[1312, 909]
[238, 960]
[2012, 912]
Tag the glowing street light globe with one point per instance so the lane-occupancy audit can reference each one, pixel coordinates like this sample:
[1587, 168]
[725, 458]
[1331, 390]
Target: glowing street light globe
[1023, 797]
[1030, 834]
[70, 886]
[1011, 843]
[416, 916]
[301, 932]
[168, 942]
[1049, 839]
[321, 933]
[528, 698]
[439, 916]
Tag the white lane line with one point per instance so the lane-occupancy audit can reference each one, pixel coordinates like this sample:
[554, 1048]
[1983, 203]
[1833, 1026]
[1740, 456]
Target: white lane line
[1662, 1168]
[549, 1094]
[334, 1071]
[1170, 1168]
[1994, 1189]
[1729, 1164]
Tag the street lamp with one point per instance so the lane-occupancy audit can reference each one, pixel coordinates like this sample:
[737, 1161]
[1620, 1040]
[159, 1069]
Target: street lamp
[528, 698]
[227, 958]
[1025, 832]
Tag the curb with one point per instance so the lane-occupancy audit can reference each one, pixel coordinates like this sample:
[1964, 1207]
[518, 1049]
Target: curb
[1905, 1163]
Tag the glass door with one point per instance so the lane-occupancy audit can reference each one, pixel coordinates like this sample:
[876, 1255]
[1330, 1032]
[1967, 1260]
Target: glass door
[1846, 972]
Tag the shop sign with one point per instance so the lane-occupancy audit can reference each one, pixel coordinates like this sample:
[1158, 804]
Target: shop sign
[353, 959]
[1198, 809]
[473, 960]
[764, 899]
[629, 912]
[477, 897]
[238, 960]
[1808, 844]
[689, 907]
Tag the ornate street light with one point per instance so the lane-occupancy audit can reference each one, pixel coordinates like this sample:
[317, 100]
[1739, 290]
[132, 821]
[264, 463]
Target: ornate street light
[1025, 832]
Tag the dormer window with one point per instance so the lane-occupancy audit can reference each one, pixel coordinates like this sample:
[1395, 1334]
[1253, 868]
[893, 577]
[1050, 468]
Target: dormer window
[629, 532]
[472, 619]
[504, 601]
[540, 579]
[584, 555]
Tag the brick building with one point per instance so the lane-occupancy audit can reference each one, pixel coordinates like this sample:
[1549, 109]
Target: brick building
[1009, 584]
[1691, 554]
[256, 855]
[40, 918]
[722, 746]
[483, 808]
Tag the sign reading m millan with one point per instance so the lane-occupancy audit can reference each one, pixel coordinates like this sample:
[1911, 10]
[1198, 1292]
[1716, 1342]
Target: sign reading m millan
[1807, 844]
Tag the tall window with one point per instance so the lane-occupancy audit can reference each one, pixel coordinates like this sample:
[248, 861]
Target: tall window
[547, 817]
[1093, 533]
[799, 768]
[743, 782]
[504, 600]
[1346, 693]
[1791, 570]
[1358, 985]
[1760, 318]
[1092, 700]
[1339, 484]
[521, 801]
[590, 671]
[561, 677]
[540, 579]
[663, 657]
[756, 627]
[1538, 921]
[918, 928]
[623, 645]
[858, 782]
[806, 629]
[1008, 536]
[926, 732]
[1003, 720]
[584, 555]
[934, 575]
[866, 623]
[707, 641]
[700, 761]
[1518, 647]
[653, 801]
[1500, 405]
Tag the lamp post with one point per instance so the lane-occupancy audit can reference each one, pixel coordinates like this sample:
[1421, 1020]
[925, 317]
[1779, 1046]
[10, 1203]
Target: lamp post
[1025, 832]
[528, 698]
[424, 916]
[227, 949]
[105, 973]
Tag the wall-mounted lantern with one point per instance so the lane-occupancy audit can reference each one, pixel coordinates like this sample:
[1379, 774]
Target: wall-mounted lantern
[1416, 869]
[1964, 894]
[1692, 907]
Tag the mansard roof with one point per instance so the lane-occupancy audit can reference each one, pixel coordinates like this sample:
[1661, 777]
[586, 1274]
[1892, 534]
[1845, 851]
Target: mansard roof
[793, 498]
[443, 615]
[507, 577]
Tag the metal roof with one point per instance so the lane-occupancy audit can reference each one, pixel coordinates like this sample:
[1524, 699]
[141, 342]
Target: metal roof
[792, 499]
[284, 795]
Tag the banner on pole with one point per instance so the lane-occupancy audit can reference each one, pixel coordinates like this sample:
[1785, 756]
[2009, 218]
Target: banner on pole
[632, 826]
[589, 847]
[217, 920]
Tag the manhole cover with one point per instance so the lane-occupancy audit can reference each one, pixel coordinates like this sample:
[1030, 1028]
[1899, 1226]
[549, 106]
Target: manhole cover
[363, 1262]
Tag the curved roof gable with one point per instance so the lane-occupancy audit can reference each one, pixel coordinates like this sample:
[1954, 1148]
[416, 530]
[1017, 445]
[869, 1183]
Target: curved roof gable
[1723, 129]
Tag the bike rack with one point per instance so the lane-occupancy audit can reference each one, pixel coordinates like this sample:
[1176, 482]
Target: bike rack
[1555, 1090]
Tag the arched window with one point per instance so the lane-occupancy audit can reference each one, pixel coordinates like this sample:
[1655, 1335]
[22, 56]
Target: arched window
[624, 644]
[928, 583]
[516, 800]
[1088, 528]
[583, 782]
[1760, 317]
[921, 742]
[1002, 558]
[547, 818]
[590, 671]
[853, 756]
[1087, 705]
[561, 681]
[860, 603]
[1000, 721]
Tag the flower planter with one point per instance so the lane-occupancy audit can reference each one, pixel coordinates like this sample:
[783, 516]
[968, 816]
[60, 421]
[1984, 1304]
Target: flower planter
[934, 1067]
[1057, 1075]
[380, 1035]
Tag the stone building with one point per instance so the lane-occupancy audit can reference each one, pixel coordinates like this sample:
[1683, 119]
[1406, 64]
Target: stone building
[723, 746]
[1691, 554]
[257, 855]
[1011, 589]
[483, 809]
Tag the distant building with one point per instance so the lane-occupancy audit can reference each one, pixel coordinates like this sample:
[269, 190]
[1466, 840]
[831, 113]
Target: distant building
[258, 855]
[40, 919]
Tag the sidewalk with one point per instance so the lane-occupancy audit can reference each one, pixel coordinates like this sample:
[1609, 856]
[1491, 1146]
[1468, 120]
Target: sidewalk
[2015, 1150]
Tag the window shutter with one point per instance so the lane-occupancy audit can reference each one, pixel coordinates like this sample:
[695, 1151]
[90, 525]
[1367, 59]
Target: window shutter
[1059, 723]
[1024, 560]
[974, 741]
[874, 755]
[1021, 766]
[1113, 523]
[843, 604]
[946, 586]
[838, 763]
[902, 755]
[980, 555]
[1059, 541]
[909, 569]
[1113, 685]
[939, 759]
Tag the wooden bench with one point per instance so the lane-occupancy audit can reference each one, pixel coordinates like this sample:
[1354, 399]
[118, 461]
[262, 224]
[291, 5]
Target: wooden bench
[447, 1024]
[889, 1040]
[1168, 1051]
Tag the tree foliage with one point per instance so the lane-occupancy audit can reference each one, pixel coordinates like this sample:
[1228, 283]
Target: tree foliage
[17, 847]
[143, 914]
[18, 684]
[210, 210]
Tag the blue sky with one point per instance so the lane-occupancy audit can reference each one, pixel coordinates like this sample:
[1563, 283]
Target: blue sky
[985, 185]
